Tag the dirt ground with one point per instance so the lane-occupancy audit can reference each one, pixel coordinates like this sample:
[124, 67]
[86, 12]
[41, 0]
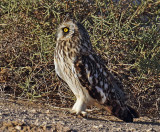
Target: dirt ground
[22, 115]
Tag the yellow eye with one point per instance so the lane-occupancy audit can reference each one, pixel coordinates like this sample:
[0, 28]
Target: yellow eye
[65, 30]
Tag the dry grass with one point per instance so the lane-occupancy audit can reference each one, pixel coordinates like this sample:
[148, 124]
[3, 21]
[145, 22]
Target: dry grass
[125, 33]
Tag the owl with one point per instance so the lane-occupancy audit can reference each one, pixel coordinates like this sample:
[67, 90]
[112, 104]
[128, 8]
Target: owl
[85, 72]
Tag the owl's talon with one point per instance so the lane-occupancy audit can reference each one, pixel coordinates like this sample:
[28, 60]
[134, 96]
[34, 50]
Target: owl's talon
[81, 114]
[84, 114]
[72, 112]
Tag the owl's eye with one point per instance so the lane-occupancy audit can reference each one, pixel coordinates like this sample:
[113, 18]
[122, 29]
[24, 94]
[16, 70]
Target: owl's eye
[65, 30]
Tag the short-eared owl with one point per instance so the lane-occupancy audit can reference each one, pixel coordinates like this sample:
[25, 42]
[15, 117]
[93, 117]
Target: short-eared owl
[85, 73]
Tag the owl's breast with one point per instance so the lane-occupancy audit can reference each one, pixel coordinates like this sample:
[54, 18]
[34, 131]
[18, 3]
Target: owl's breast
[63, 65]
[58, 68]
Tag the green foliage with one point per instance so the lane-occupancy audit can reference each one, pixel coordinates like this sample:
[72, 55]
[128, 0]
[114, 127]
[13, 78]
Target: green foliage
[127, 34]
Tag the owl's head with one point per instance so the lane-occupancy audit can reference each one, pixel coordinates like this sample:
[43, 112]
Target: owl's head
[71, 29]
[66, 30]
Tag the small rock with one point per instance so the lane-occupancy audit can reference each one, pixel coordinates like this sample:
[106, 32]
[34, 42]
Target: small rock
[100, 126]
[47, 111]
[151, 130]
[95, 127]
[33, 111]
[44, 123]
[36, 122]
[18, 127]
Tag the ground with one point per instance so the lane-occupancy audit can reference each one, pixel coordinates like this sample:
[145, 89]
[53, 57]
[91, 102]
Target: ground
[32, 115]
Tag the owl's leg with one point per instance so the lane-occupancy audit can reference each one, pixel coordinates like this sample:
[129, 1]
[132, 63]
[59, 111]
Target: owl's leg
[79, 107]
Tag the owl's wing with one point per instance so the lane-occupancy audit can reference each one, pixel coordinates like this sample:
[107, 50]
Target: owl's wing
[94, 75]
[101, 85]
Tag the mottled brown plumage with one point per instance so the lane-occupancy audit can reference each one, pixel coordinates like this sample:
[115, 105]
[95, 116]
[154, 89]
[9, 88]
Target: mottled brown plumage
[85, 73]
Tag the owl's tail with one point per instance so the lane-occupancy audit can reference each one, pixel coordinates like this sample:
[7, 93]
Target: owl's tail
[126, 113]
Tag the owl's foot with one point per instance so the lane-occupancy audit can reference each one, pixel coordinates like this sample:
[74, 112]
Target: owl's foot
[82, 113]
[79, 108]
